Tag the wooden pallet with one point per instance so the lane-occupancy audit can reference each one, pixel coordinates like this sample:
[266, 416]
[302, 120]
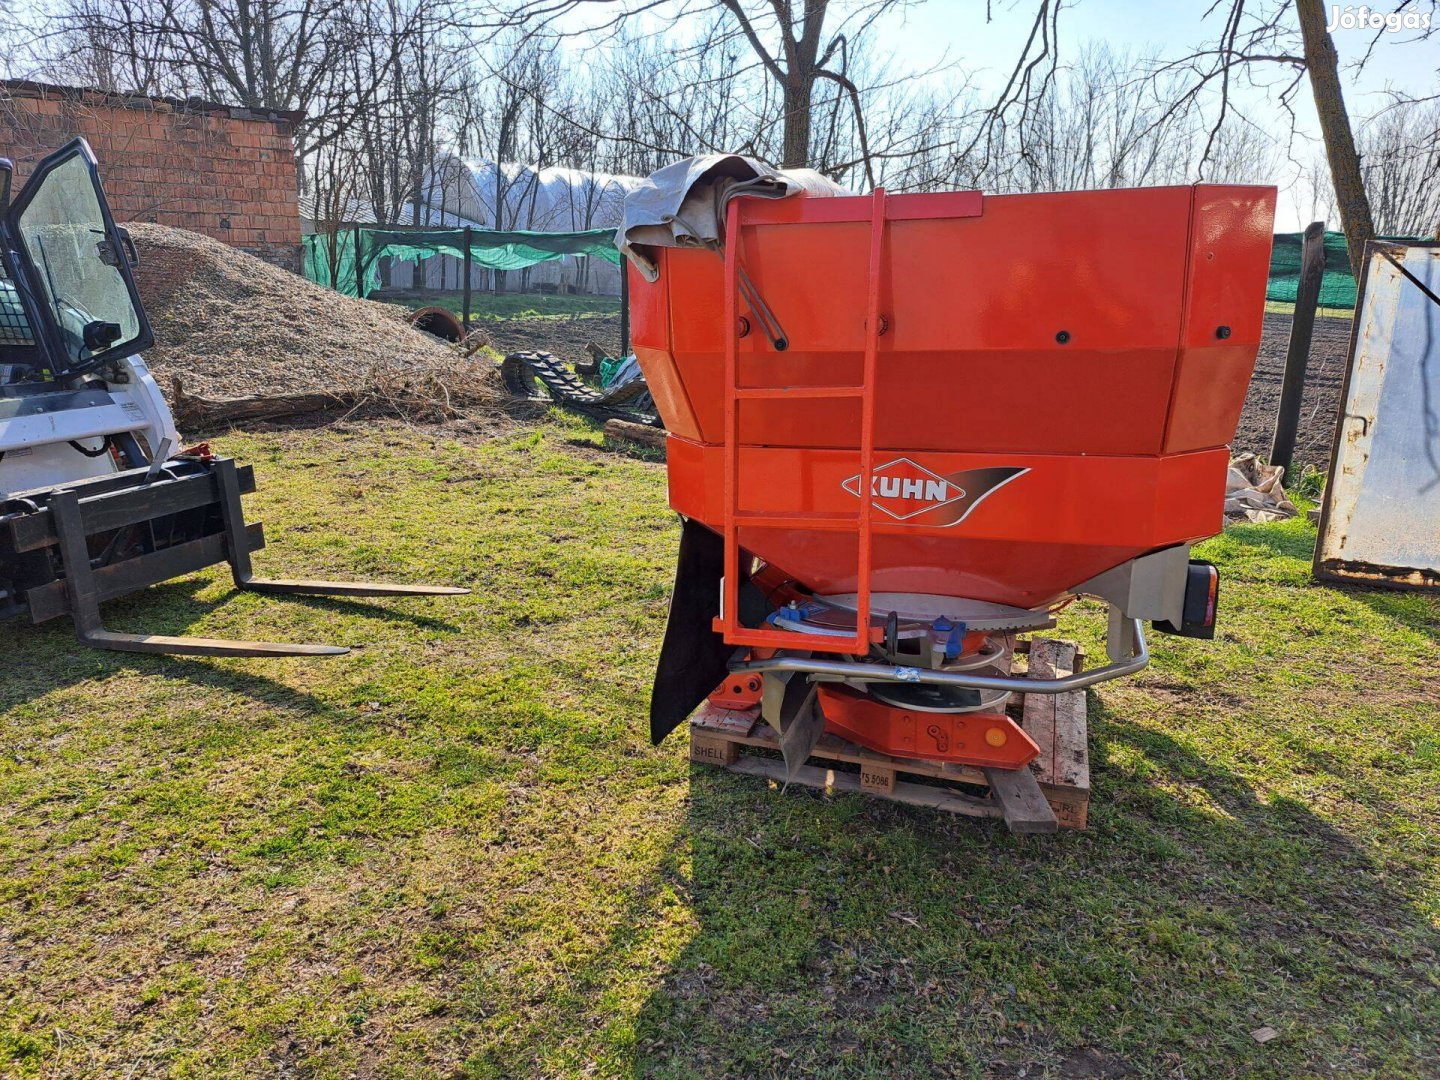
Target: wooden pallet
[1053, 793]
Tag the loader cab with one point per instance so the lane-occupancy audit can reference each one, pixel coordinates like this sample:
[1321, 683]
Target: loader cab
[68, 303]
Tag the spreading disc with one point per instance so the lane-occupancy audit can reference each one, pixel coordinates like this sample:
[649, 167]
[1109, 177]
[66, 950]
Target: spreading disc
[926, 608]
[928, 697]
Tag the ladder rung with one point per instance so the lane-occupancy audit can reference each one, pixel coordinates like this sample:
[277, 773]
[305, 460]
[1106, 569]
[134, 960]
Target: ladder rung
[796, 393]
[821, 521]
[787, 639]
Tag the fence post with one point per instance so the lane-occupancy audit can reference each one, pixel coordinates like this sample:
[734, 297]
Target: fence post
[465, 317]
[624, 306]
[1297, 355]
[359, 271]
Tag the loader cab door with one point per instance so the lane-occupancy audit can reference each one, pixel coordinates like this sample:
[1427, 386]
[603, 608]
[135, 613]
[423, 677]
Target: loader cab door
[71, 265]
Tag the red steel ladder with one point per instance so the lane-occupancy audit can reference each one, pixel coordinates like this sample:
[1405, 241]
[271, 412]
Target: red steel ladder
[735, 518]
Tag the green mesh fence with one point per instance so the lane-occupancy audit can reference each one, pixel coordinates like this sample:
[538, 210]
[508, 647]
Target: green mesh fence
[1337, 287]
[331, 259]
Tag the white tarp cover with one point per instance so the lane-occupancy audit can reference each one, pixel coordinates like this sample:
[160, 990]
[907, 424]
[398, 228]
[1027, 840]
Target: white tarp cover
[683, 205]
[508, 196]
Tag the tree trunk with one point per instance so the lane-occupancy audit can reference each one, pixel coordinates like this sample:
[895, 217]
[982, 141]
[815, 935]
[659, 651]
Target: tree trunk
[1322, 64]
[797, 91]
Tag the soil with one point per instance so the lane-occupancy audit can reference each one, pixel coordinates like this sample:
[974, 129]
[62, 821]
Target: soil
[1324, 374]
[230, 325]
[563, 335]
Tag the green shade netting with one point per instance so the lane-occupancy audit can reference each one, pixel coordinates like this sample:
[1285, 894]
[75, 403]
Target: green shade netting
[489, 249]
[322, 251]
[495, 250]
[1337, 287]
[608, 367]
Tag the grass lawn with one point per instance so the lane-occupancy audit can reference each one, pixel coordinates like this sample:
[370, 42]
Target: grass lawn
[488, 306]
[1281, 307]
[454, 852]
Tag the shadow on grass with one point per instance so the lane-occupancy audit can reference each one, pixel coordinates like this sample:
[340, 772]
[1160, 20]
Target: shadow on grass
[850, 937]
[49, 658]
[1287, 542]
[344, 606]
[1420, 611]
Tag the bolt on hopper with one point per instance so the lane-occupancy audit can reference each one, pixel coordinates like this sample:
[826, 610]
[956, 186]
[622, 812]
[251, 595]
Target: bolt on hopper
[903, 428]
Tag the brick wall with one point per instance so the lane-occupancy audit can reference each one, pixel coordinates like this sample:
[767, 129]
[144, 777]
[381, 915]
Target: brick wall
[226, 172]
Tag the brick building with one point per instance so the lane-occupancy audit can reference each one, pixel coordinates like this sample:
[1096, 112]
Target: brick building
[219, 170]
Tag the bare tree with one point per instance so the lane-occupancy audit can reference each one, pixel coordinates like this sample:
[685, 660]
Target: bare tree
[1322, 63]
[1289, 37]
[275, 55]
[1400, 161]
[797, 44]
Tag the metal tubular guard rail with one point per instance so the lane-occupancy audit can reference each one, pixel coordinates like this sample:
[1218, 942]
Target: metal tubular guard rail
[886, 673]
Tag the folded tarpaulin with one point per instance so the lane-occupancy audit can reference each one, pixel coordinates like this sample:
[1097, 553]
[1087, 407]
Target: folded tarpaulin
[683, 205]
[1253, 491]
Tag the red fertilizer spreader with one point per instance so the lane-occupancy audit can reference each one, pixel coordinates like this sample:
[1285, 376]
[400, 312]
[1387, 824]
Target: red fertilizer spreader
[905, 428]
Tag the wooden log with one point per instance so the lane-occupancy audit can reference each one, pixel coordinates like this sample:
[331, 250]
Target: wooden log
[190, 409]
[643, 434]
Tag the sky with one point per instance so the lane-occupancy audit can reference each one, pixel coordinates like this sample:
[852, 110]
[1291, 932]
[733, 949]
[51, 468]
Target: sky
[931, 33]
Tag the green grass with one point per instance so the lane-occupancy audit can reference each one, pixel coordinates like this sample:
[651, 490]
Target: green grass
[454, 852]
[1284, 307]
[487, 306]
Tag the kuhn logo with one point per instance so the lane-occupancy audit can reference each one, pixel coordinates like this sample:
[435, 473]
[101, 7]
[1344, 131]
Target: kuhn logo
[904, 489]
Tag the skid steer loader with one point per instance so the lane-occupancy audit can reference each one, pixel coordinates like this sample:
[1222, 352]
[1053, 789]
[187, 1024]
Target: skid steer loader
[95, 502]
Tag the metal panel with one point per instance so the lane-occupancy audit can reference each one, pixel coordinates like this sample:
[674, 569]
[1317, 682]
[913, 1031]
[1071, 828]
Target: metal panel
[1381, 519]
[49, 601]
[120, 499]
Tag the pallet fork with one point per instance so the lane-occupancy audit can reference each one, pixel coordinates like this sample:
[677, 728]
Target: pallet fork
[93, 504]
[55, 530]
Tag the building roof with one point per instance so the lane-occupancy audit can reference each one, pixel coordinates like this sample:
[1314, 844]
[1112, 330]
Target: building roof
[126, 99]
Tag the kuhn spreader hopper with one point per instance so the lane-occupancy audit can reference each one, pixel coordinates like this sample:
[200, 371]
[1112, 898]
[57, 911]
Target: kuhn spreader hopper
[949, 414]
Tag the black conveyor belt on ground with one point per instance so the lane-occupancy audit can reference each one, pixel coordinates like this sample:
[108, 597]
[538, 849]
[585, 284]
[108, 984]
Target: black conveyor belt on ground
[524, 373]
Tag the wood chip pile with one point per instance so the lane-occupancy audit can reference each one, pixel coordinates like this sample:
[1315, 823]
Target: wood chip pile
[231, 326]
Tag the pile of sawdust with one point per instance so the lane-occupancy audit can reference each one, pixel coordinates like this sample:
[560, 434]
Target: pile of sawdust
[229, 325]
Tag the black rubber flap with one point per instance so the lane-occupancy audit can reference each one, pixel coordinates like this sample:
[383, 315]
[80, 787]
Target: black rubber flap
[693, 658]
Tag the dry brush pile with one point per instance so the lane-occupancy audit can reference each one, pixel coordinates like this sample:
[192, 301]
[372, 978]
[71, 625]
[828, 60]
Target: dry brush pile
[233, 333]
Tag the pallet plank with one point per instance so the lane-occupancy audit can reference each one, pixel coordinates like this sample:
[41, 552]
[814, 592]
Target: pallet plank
[1072, 751]
[1038, 713]
[1024, 805]
[831, 780]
